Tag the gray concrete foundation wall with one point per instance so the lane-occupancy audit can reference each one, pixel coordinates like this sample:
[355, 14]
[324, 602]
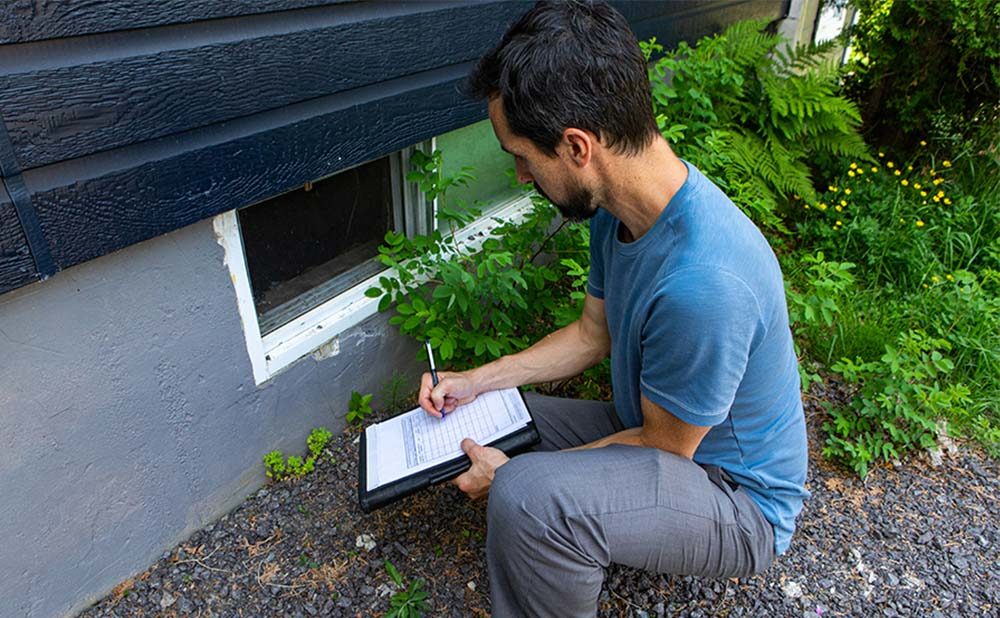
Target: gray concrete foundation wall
[129, 417]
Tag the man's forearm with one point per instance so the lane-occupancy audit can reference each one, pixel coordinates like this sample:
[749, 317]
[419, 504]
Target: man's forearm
[563, 354]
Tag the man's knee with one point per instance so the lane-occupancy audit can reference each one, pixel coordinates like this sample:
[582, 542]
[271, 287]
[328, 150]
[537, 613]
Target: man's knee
[522, 489]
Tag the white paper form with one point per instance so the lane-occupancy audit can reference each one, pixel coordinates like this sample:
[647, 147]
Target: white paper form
[415, 441]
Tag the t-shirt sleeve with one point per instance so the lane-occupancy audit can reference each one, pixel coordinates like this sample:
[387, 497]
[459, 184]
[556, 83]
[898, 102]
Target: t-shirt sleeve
[595, 278]
[696, 339]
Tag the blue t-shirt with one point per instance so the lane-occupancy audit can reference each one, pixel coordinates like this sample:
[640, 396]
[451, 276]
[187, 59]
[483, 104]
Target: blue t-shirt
[699, 325]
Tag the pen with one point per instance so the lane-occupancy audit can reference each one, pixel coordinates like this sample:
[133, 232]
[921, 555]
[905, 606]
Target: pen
[434, 373]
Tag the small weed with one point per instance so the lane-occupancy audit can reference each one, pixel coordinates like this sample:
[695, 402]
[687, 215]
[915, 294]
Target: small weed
[359, 408]
[393, 392]
[410, 601]
[306, 561]
[278, 467]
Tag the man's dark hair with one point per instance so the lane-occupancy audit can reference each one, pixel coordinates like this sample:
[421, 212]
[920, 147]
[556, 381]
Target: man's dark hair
[570, 64]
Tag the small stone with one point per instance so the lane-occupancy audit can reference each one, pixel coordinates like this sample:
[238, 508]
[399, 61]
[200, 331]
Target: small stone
[471, 585]
[366, 541]
[167, 600]
[792, 589]
[343, 602]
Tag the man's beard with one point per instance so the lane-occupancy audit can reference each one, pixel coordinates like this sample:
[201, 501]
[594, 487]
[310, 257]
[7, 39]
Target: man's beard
[578, 206]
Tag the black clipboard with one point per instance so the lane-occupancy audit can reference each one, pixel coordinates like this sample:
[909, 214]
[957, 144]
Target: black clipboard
[511, 444]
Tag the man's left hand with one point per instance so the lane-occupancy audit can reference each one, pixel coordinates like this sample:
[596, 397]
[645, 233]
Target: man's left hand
[485, 460]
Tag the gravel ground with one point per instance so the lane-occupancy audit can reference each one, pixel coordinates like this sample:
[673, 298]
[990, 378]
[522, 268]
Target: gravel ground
[917, 539]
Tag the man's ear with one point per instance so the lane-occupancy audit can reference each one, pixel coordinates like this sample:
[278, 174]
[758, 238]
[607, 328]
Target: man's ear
[578, 146]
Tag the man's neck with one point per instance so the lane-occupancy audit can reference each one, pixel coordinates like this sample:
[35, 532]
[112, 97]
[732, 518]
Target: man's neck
[639, 188]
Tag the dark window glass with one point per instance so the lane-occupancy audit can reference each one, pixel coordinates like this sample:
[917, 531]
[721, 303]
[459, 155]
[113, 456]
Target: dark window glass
[306, 246]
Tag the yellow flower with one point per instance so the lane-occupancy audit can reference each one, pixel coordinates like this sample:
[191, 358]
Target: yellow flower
[861, 171]
[923, 143]
[851, 174]
[832, 189]
[822, 206]
[925, 285]
[923, 194]
[947, 202]
[881, 155]
[897, 172]
[806, 206]
[904, 182]
[935, 279]
[920, 223]
[843, 202]
[847, 191]
[949, 277]
[909, 168]
[902, 220]
[839, 222]
[890, 164]
[938, 181]
[854, 166]
[940, 193]
[946, 163]
[838, 208]
[874, 170]
[937, 199]
[916, 185]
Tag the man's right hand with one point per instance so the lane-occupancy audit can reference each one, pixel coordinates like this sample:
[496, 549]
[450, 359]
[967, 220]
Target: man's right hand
[453, 390]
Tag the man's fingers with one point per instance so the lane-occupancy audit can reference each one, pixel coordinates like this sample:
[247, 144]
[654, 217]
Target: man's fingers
[470, 448]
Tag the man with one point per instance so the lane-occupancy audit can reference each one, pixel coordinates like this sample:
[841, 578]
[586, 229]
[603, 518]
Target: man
[699, 464]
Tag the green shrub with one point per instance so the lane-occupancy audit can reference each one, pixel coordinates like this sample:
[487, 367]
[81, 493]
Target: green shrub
[902, 223]
[918, 65]
[752, 115]
[924, 237]
[475, 306]
[823, 285]
[901, 397]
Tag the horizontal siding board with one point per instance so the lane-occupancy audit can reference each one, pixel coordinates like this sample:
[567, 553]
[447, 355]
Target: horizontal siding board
[17, 268]
[73, 111]
[34, 20]
[698, 19]
[86, 219]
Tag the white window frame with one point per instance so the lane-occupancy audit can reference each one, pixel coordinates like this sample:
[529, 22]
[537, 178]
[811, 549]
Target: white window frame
[317, 331]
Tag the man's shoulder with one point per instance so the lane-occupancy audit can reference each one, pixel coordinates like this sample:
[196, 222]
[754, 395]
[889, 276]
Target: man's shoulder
[700, 287]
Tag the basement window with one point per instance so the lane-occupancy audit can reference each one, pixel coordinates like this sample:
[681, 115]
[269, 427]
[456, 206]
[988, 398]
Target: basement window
[309, 245]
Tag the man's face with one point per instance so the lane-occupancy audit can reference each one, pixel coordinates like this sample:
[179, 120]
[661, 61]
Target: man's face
[551, 177]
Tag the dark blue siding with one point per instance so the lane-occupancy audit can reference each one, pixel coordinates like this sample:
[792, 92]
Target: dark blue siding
[121, 130]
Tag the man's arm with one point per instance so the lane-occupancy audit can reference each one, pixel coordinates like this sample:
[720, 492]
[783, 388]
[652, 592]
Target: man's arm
[660, 429]
[562, 354]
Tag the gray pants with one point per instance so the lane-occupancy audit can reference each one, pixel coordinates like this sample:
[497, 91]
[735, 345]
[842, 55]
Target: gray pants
[556, 519]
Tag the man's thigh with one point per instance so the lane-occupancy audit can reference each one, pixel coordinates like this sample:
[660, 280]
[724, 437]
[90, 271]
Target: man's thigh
[565, 423]
[642, 507]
